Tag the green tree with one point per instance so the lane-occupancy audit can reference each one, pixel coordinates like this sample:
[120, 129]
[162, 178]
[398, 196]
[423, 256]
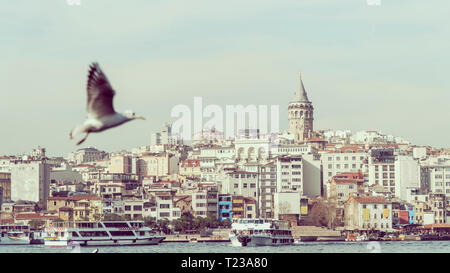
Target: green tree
[320, 214]
[226, 223]
[163, 225]
[150, 222]
[212, 221]
[113, 217]
[36, 224]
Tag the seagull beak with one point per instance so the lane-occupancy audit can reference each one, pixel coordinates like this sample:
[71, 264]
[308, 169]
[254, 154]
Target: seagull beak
[140, 118]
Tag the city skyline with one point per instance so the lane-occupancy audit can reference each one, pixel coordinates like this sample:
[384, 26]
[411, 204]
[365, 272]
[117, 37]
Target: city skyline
[355, 61]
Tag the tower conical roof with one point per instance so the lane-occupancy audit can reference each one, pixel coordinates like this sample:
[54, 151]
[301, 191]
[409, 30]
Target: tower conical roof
[300, 94]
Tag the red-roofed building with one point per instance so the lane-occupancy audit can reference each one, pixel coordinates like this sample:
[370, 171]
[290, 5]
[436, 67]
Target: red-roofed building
[344, 184]
[190, 168]
[25, 218]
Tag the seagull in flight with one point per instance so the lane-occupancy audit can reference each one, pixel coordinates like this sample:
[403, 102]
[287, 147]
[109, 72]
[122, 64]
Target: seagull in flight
[100, 111]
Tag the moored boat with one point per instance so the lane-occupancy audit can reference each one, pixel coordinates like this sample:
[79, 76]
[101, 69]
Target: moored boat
[260, 232]
[15, 235]
[435, 237]
[111, 233]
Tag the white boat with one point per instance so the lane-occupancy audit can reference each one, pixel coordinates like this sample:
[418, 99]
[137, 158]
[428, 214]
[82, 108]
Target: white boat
[111, 233]
[260, 232]
[15, 235]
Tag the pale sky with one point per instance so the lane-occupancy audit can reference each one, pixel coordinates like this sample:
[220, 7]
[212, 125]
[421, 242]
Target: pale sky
[364, 67]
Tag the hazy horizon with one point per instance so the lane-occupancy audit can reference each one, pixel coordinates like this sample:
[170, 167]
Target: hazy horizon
[364, 67]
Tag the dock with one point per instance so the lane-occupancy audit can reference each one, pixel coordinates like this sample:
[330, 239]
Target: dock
[217, 237]
[313, 233]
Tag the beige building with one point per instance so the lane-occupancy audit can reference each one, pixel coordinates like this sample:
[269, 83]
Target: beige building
[243, 207]
[420, 208]
[77, 208]
[5, 187]
[157, 164]
[205, 201]
[87, 155]
[120, 164]
[437, 203]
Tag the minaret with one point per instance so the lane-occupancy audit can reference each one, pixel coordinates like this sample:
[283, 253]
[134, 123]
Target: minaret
[301, 115]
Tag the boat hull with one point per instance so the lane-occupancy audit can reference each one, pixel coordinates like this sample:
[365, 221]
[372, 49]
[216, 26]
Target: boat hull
[14, 241]
[260, 240]
[105, 242]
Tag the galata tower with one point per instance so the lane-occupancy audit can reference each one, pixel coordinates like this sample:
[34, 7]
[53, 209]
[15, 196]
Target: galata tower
[301, 115]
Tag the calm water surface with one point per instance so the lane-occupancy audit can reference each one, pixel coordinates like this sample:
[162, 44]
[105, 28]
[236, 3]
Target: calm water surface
[306, 247]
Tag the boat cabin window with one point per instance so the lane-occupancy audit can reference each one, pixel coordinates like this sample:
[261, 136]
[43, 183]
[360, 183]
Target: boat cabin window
[116, 224]
[85, 225]
[136, 224]
[121, 233]
[94, 233]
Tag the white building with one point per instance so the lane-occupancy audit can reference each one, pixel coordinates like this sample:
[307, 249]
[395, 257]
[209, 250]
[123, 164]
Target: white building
[419, 152]
[165, 136]
[368, 213]
[268, 187]
[242, 183]
[440, 179]
[382, 169]
[165, 207]
[289, 173]
[407, 176]
[312, 175]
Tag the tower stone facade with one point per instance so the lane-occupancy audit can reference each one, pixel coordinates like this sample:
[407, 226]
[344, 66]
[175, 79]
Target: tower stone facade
[301, 115]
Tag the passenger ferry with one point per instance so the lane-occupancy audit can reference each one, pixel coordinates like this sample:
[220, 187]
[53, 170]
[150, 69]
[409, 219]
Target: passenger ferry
[111, 233]
[15, 235]
[260, 232]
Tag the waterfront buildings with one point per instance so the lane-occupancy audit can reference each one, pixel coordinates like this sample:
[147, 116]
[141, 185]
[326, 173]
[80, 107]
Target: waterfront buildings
[369, 180]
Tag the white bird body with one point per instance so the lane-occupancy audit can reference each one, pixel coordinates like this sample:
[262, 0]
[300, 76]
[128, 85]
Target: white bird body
[100, 111]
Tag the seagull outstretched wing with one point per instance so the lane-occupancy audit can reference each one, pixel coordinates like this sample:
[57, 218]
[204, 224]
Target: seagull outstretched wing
[99, 93]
